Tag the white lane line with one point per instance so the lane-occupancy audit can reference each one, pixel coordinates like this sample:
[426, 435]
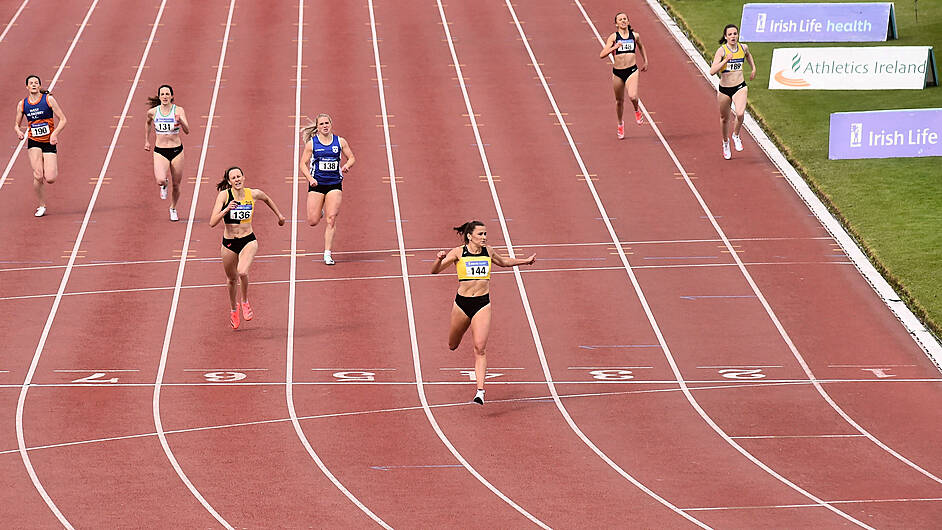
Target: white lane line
[99, 370]
[225, 369]
[422, 249]
[161, 369]
[396, 276]
[855, 501]
[365, 412]
[289, 353]
[52, 83]
[640, 293]
[355, 369]
[21, 402]
[867, 365]
[13, 20]
[407, 290]
[781, 436]
[534, 332]
[745, 366]
[768, 308]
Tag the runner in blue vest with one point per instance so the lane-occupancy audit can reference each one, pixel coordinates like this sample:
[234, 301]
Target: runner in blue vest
[41, 111]
[321, 165]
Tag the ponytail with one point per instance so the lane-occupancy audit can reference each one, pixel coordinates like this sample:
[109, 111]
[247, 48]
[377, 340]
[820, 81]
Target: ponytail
[723, 38]
[466, 229]
[308, 131]
[153, 101]
[41, 89]
[224, 183]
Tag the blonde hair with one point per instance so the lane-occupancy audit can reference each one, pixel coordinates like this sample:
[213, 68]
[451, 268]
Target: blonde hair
[308, 131]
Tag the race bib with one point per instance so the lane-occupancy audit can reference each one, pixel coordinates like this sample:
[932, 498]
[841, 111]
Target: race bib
[476, 269]
[328, 165]
[40, 129]
[627, 46]
[165, 127]
[734, 66]
[241, 212]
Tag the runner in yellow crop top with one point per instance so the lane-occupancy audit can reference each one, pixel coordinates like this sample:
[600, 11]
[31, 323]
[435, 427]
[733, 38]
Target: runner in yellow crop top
[728, 63]
[235, 206]
[472, 306]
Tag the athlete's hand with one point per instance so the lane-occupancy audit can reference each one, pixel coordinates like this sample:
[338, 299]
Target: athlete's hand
[441, 255]
[344, 169]
[312, 183]
[281, 220]
[752, 75]
[147, 146]
[231, 205]
[53, 138]
[531, 259]
[727, 57]
[645, 67]
[19, 134]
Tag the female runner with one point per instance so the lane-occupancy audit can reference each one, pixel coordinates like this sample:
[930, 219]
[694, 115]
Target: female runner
[167, 119]
[235, 206]
[623, 44]
[40, 110]
[472, 306]
[320, 163]
[728, 62]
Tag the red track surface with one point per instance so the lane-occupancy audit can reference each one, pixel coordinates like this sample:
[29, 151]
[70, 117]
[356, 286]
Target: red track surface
[775, 444]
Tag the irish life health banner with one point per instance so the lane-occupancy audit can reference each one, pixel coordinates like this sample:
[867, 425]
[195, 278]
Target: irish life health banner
[818, 22]
[886, 134]
[869, 68]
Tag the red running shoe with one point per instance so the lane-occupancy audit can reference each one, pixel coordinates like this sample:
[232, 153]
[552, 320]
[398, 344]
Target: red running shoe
[639, 118]
[234, 318]
[621, 130]
[247, 311]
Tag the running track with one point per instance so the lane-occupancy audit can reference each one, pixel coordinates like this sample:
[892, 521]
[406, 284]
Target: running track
[691, 348]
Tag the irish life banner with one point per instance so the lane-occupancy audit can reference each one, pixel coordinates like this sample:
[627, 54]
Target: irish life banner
[818, 22]
[862, 68]
[886, 134]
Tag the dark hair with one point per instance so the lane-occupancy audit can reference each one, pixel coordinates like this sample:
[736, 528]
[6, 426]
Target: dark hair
[626, 14]
[153, 101]
[466, 229]
[723, 38]
[224, 183]
[41, 90]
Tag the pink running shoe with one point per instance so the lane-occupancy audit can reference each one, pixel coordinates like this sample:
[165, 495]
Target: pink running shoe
[639, 118]
[247, 311]
[621, 130]
[234, 318]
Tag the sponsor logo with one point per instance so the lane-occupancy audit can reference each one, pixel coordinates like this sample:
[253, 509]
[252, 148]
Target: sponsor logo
[856, 134]
[792, 81]
[760, 23]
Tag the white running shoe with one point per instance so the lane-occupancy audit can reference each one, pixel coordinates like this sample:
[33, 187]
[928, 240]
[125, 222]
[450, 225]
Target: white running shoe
[737, 143]
[41, 211]
[479, 397]
[726, 154]
[163, 192]
[173, 215]
[327, 258]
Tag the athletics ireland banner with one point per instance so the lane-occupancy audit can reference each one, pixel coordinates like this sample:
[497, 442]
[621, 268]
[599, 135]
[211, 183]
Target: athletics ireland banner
[869, 68]
[818, 22]
[886, 134]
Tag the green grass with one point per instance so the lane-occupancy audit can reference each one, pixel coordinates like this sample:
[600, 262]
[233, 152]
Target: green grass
[892, 207]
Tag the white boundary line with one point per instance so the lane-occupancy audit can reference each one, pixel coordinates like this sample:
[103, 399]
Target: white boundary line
[407, 290]
[755, 288]
[52, 84]
[158, 424]
[534, 332]
[637, 287]
[885, 292]
[13, 20]
[289, 354]
[418, 249]
[21, 401]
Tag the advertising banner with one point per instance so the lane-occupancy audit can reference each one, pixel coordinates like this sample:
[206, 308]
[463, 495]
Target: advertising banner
[869, 68]
[818, 22]
[885, 134]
